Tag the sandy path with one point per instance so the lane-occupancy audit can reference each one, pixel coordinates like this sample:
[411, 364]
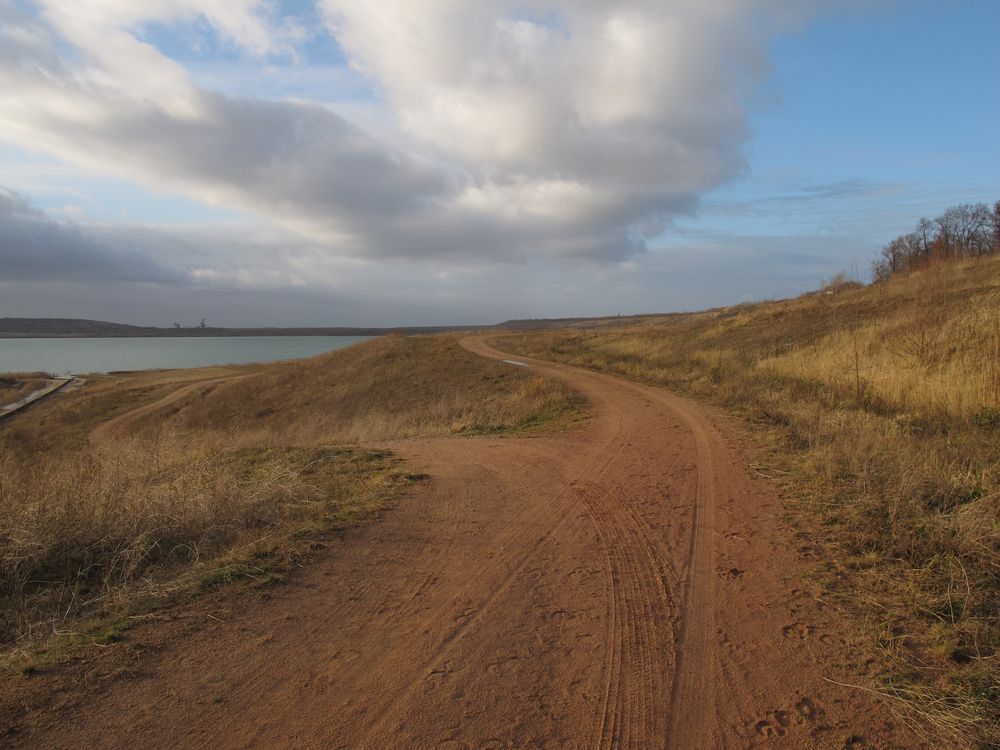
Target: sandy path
[624, 585]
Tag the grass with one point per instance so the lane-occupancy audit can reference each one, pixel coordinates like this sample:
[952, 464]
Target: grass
[237, 481]
[883, 405]
[391, 388]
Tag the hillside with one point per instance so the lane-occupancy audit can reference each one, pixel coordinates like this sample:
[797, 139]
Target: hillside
[163, 482]
[41, 327]
[880, 409]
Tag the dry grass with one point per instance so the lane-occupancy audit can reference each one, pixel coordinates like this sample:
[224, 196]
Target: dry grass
[234, 482]
[15, 386]
[140, 520]
[390, 388]
[883, 403]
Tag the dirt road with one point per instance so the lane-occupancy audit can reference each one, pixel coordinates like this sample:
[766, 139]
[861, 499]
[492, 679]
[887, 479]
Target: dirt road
[623, 585]
[120, 423]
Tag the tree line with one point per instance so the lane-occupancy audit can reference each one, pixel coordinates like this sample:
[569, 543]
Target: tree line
[969, 230]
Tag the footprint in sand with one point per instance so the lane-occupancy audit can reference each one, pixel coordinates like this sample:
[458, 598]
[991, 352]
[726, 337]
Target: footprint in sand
[441, 673]
[798, 630]
[731, 573]
[774, 725]
[807, 711]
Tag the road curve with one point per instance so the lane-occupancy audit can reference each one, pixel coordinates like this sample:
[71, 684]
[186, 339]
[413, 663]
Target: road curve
[622, 585]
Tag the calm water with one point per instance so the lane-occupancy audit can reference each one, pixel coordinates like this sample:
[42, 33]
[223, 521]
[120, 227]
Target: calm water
[78, 356]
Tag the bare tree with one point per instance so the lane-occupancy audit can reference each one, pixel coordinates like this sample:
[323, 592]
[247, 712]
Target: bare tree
[963, 231]
[996, 227]
[925, 235]
[892, 259]
[969, 230]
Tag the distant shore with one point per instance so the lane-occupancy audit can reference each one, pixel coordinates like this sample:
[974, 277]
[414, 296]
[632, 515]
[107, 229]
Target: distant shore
[41, 328]
[37, 328]
[230, 333]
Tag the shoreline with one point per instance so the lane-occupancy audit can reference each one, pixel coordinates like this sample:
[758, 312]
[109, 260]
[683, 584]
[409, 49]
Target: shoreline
[93, 355]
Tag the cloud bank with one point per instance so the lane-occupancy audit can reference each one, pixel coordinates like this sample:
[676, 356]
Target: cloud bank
[34, 247]
[570, 131]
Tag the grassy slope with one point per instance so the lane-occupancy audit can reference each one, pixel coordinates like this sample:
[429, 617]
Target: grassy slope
[393, 387]
[883, 405]
[235, 482]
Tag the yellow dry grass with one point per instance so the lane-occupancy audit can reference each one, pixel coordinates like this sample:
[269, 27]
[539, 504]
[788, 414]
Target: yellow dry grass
[931, 347]
[390, 388]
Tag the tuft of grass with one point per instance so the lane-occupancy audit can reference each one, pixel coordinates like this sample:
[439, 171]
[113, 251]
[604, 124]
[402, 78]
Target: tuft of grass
[880, 407]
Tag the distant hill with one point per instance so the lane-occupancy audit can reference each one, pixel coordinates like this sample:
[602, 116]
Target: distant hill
[73, 327]
[80, 328]
[64, 327]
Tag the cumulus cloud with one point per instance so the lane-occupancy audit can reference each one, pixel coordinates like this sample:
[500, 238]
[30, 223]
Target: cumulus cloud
[34, 247]
[633, 95]
[523, 129]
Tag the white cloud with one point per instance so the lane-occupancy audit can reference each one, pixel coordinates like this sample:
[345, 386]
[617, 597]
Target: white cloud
[522, 129]
[634, 94]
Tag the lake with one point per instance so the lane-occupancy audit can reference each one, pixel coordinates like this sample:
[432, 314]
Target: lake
[83, 355]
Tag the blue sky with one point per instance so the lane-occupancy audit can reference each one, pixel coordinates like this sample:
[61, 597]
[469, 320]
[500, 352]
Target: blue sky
[382, 172]
[889, 114]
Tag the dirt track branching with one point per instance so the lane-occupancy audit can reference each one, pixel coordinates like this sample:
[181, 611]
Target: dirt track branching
[233, 482]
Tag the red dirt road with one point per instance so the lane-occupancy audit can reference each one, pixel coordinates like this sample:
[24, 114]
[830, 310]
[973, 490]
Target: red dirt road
[622, 585]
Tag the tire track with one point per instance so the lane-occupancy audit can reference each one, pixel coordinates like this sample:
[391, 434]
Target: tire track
[690, 708]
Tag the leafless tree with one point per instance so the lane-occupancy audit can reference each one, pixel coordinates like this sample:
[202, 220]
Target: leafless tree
[996, 227]
[964, 231]
[969, 230]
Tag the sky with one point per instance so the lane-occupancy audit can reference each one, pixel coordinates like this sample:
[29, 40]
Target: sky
[421, 162]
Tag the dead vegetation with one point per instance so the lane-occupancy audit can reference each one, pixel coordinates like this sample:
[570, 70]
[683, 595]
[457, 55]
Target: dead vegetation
[882, 404]
[235, 481]
[15, 386]
[393, 387]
